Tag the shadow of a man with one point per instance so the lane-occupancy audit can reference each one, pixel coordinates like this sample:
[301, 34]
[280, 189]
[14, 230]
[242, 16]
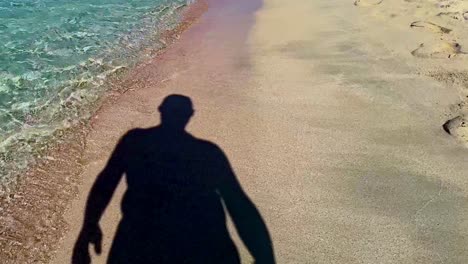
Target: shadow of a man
[173, 206]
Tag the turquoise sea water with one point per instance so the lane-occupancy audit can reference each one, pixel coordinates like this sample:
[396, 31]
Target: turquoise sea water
[55, 56]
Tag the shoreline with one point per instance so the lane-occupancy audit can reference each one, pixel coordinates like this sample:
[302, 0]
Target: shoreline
[328, 121]
[32, 209]
[197, 65]
[81, 91]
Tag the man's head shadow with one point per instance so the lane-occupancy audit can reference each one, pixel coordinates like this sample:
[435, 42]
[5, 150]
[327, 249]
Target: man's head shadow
[178, 189]
[176, 111]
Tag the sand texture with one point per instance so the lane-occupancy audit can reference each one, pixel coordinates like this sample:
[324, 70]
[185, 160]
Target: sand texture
[342, 120]
[434, 32]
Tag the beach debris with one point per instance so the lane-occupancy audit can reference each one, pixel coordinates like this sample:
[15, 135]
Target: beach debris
[367, 2]
[430, 26]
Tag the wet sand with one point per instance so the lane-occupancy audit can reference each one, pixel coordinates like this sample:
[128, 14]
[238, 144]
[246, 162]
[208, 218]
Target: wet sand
[209, 63]
[32, 210]
[337, 139]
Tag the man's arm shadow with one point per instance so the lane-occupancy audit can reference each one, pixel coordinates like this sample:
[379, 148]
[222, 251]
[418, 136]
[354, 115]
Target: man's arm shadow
[99, 197]
[247, 219]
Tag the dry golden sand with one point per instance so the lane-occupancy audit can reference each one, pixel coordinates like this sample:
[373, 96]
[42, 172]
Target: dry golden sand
[435, 33]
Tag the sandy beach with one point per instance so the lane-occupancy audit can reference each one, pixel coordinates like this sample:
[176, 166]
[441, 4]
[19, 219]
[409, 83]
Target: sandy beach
[331, 114]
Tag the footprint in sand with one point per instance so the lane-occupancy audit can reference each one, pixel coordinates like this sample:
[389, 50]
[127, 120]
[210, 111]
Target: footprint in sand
[452, 125]
[461, 16]
[445, 4]
[430, 26]
[367, 2]
[457, 127]
[438, 50]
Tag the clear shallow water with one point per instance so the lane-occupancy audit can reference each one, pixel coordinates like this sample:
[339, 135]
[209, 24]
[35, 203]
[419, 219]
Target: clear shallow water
[55, 56]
